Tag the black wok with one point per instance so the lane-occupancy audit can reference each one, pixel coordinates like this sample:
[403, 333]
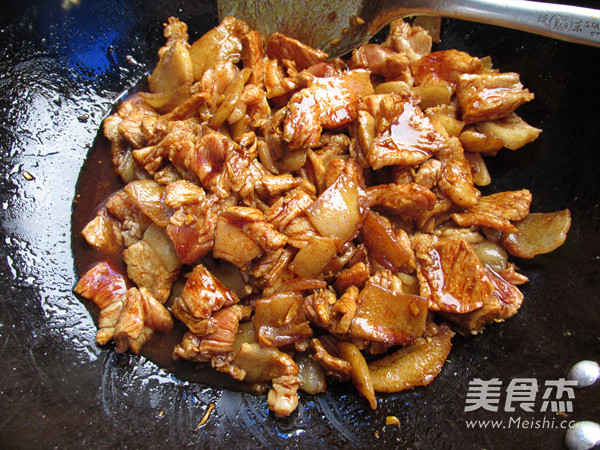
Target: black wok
[62, 69]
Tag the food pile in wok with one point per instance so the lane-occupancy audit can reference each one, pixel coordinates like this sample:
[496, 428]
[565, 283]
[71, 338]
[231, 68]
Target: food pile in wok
[302, 216]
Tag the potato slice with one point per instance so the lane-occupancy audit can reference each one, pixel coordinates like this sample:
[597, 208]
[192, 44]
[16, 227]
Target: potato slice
[538, 233]
[433, 94]
[393, 318]
[311, 260]
[512, 130]
[416, 365]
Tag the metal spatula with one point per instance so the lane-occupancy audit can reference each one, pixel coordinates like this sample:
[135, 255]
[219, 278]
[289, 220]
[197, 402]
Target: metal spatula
[336, 27]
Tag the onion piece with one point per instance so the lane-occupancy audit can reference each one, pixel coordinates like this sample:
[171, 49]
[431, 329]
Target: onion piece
[149, 196]
[359, 371]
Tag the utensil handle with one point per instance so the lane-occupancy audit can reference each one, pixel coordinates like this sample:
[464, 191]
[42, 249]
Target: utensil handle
[569, 23]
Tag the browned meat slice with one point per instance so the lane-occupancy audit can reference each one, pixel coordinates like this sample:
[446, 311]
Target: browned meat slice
[490, 96]
[327, 102]
[102, 285]
[221, 43]
[270, 364]
[410, 200]
[403, 38]
[131, 125]
[221, 165]
[284, 47]
[132, 320]
[427, 176]
[504, 303]
[456, 179]
[302, 126]
[379, 60]
[192, 229]
[103, 232]
[153, 262]
[218, 342]
[343, 310]
[496, 211]
[253, 55]
[445, 65]
[293, 205]
[174, 67]
[133, 221]
[401, 134]
[183, 192]
[252, 223]
[180, 135]
[333, 366]
[202, 295]
[356, 275]
[451, 275]
[278, 83]
[271, 265]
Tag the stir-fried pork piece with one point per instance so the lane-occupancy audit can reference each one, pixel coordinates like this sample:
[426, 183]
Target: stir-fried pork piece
[402, 134]
[132, 319]
[271, 265]
[174, 68]
[456, 180]
[221, 43]
[410, 200]
[490, 96]
[131, 125]
[413, 41]
[133, 221]
[356, 275]
[270, 364]
[445, 65]
[451, 275]
[379, 60]
[218, 342]
[102, 285]
[327, 102]
[153, 263]
[496, 211]
[333, 366]
[103, 232]
[282, 47]
[343, 310]
[253, 55]
[192, 229]
[202, 295]
[242, 234]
